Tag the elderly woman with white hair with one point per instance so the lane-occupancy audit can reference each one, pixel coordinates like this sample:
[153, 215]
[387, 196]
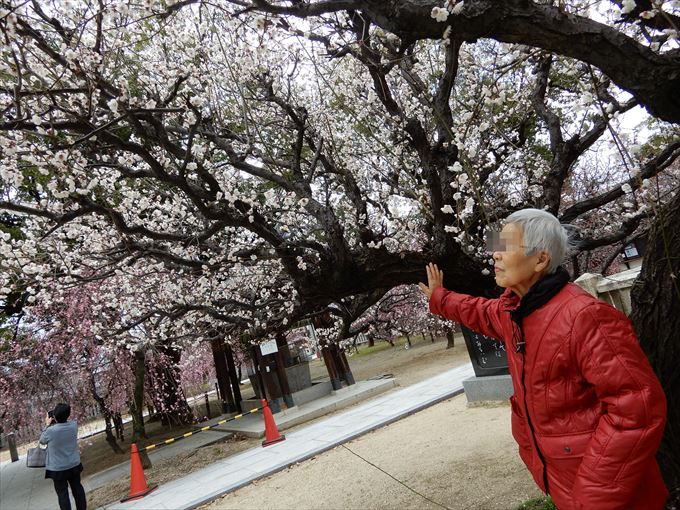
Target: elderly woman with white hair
[588, 412]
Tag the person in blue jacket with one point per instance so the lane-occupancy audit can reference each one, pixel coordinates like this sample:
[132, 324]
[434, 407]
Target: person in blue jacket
[63, 464]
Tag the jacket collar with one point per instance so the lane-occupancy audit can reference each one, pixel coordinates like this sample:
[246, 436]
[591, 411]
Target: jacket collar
[509, 300]
[538, 295]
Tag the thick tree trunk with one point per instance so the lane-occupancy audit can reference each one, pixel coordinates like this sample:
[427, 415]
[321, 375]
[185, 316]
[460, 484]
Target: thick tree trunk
[222, 374]
[108, 430]
[348, 375]
[233, 378]
[331, 367]
[656, 315]
[282, 356]
[137, 407]
[171, 402]
[450, 339]
[118, 426]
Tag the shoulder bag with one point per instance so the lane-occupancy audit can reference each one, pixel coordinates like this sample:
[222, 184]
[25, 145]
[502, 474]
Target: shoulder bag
[36, 457]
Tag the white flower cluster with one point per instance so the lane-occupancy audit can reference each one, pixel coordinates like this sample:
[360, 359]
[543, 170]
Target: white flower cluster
[245, 146]
[627, 6]
[441, 14]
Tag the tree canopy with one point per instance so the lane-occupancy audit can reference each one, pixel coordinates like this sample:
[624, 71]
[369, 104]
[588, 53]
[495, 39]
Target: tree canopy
[247, 163]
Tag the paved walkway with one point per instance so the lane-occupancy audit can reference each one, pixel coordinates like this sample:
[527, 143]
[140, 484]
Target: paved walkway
[226, 475]
[252, 425]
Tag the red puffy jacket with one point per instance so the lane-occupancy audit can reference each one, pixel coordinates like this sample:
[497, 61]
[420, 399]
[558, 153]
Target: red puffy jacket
[585, 395]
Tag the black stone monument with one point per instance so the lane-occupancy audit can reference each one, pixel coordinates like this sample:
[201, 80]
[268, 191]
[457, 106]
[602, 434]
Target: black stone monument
[487, 354]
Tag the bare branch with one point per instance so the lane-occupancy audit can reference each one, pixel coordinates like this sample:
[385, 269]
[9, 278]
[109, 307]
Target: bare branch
[655, 165]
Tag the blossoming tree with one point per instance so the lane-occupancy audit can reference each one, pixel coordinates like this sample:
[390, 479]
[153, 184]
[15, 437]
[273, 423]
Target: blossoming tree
[249, 163]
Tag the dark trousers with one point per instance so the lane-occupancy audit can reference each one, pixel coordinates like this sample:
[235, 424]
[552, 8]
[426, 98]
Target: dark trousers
[61, 486]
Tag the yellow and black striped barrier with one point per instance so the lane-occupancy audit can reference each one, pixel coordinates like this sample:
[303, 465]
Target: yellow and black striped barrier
[207, 427]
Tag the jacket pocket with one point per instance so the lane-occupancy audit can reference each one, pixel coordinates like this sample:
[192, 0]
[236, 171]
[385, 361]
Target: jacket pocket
[519, 425]
[520, 431]
[570, 446]
[563, 457]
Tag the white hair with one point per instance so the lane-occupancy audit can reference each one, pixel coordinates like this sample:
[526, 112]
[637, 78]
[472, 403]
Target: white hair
[541, 231]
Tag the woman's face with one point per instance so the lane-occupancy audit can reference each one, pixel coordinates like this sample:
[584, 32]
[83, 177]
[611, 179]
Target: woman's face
[513, 268]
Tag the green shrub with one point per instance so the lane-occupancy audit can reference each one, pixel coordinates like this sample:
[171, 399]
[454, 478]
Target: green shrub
[538, 504]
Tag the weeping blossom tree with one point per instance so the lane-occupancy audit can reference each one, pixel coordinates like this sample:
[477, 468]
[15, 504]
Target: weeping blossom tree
[53, 356]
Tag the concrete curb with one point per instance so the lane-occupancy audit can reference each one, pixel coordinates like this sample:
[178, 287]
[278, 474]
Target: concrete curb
[253, 426]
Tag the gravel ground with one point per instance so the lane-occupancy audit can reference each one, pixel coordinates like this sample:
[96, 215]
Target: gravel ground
[455, 456]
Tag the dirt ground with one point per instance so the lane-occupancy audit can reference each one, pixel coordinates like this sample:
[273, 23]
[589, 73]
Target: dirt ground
[423, 360]
[454, 456]
[166, 470]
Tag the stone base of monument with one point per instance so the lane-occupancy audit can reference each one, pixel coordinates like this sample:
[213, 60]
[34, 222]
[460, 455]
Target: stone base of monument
[488, 388]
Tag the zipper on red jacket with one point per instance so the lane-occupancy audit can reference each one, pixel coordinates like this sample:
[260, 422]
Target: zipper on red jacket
[519, 349]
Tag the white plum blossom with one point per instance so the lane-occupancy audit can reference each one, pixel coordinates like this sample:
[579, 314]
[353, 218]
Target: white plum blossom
[626, 188]
[458, 8]
[440, 14]
[627, 6]
[469, 206]
[209, 77]
[456, 167]
[113, 105]
[671, 33]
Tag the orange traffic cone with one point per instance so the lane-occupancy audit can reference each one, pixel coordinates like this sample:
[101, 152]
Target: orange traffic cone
[271, 432]
[138, 486]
